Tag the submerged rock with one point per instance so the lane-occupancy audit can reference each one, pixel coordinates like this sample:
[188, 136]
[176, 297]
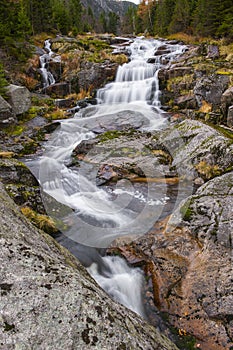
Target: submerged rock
[48, 300]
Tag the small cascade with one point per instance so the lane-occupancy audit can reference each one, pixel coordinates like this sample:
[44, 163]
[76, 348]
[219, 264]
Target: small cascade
[48, 78]
[121, 282]
[137, 80]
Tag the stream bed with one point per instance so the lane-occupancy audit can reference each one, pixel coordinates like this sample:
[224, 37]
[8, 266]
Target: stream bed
[91, 217]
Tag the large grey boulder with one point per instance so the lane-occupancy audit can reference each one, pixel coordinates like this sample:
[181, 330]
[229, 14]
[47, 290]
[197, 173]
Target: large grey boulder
[95, 74]
[7, 117]
[198, 149]
[210, 89]
[19, 98]
[48, 300]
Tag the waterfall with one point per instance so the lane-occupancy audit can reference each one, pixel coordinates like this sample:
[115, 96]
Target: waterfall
[96, 216]
[121, 282]
[47, 77]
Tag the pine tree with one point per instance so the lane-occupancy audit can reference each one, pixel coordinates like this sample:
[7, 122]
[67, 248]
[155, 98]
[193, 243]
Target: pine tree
[181, 17]
[226, 22]
[24, 25]
[113, 20]
[164, 12]
[207, 17]
[3, 82]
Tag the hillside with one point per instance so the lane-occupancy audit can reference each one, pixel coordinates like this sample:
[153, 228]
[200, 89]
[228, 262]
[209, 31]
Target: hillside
[99, 6]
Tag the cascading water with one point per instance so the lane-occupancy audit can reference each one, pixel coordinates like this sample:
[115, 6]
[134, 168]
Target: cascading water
[97, 216]
[48, 78]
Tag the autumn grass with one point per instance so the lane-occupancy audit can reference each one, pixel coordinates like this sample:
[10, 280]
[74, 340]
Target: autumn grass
[27, 81]
[207, 170]
[41, 221]
[6, 154]
[188, 38]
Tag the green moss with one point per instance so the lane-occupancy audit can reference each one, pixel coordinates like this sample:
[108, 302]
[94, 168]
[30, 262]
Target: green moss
[114, 134]
[15, 130]
[186, 210]
[8, 327]
[185, 79]
[30, 147]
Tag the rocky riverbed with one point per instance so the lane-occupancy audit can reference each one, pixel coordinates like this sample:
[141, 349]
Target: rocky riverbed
[186, 256]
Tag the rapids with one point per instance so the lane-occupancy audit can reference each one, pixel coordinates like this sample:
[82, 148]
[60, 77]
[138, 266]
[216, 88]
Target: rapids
[93, 216]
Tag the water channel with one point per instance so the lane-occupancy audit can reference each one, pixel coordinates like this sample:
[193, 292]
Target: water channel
[93, 216]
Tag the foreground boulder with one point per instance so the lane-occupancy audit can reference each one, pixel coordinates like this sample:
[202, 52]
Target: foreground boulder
[190, 150]
[199, 151]
[48, 300]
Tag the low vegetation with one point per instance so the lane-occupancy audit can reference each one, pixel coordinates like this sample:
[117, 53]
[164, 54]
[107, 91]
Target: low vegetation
[41, 221]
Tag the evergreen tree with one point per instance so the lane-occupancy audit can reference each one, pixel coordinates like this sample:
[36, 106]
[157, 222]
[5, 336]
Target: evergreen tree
[40, 15]
[181, 17]
[129, 20]
[103, 22]
[163, 16]
[3, 82]
[113, 21]
[207, 17]
[24, 25]
[75, 14]
[226, 22]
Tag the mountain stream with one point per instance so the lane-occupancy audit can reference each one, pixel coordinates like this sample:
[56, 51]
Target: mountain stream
[94, 216]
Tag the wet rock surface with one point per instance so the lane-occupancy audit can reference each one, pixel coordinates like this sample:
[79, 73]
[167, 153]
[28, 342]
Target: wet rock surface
[124, 154]
[48, 299]
[190, 149]
[189, 262]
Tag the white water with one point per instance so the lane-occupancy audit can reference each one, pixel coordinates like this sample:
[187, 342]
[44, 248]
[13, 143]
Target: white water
[121, 282]
[48, 78]
[96, 216]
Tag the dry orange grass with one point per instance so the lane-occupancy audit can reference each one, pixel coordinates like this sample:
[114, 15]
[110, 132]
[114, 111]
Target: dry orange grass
[27, 81]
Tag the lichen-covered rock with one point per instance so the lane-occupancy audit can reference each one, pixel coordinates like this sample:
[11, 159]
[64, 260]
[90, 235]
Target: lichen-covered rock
[198, 149]
[227, 100]
[95, 74]
[208, 217]
[7, 117]
[195, 73]
[48, 300]
[125, 154]
[210, 90]
[14, 172]
[230, 117]
[190, 149]
[213, 51]
[58, 90]
[19, 98]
